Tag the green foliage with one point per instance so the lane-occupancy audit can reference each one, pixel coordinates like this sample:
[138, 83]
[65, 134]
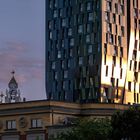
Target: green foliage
[95, 129]
[123, 125]
[126, 124]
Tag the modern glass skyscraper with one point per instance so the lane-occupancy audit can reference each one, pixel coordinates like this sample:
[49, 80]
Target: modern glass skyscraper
[88, 51]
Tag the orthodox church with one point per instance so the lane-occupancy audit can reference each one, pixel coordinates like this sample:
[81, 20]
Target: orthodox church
[13, 93]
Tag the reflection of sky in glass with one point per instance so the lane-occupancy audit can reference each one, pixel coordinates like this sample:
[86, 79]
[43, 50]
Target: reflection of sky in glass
[22, 26]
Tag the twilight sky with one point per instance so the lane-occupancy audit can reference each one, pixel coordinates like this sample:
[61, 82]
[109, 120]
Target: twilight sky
[22, 46]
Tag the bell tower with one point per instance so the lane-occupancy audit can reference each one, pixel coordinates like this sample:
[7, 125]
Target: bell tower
[13, 93]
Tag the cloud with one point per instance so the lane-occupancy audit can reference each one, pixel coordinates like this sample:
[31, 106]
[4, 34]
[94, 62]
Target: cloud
[13, 56]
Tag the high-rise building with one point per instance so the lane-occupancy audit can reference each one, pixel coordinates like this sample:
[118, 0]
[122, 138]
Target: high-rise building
[92, 50]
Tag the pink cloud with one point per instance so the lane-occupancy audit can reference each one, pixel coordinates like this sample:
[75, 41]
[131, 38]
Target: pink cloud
[13, 56]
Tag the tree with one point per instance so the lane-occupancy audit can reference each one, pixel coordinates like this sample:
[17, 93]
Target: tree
[91, 129]
[126, 124]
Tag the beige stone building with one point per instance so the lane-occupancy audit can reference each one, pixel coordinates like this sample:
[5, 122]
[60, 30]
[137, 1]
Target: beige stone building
[38, 120]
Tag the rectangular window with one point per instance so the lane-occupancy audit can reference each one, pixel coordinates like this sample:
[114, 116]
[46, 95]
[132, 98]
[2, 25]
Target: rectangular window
[80, 29]
[70, 32]
[65, 74]
[119, 40]
[114, 60]
[55, 13]
[59, 54]
[129, 86]
[88, 6]
[111, 38]
[71, 42]
[90, 16]
[60, 12]
[63, 22]
[81, 7]
[122, 30]
[107, 16]
[88, 39]
[122, 9]
[53, 65]
[62, 64]
[89, 48]
[80, 60]
[106, 71]
[11, 124]
[114, 18]
[121, 73]
[109, 27]
[108, 6]
[36, 123]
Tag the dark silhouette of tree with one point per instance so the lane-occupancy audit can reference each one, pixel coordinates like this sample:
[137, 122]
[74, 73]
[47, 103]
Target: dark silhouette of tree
[92, 129]
[126, 124]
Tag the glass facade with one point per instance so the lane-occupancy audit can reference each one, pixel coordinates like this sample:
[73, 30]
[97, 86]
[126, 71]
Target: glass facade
[88, 52]
[73, 36]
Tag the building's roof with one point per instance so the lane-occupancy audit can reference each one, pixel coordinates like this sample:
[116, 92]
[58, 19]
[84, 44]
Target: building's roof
[13, 80]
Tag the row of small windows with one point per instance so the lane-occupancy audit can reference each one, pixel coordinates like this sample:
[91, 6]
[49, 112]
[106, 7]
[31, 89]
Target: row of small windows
[113, 39]
[12, 124]
[112, 73]
[114, 17]
[109, 29]
[117, 8]
[65, 64]
[55, 3]
[132, 86]
[134, 65]
[115, 52]
[81, 29]
[89, 38]
[78, 83]
[71, 52]
[76, 19]
[82, 6]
